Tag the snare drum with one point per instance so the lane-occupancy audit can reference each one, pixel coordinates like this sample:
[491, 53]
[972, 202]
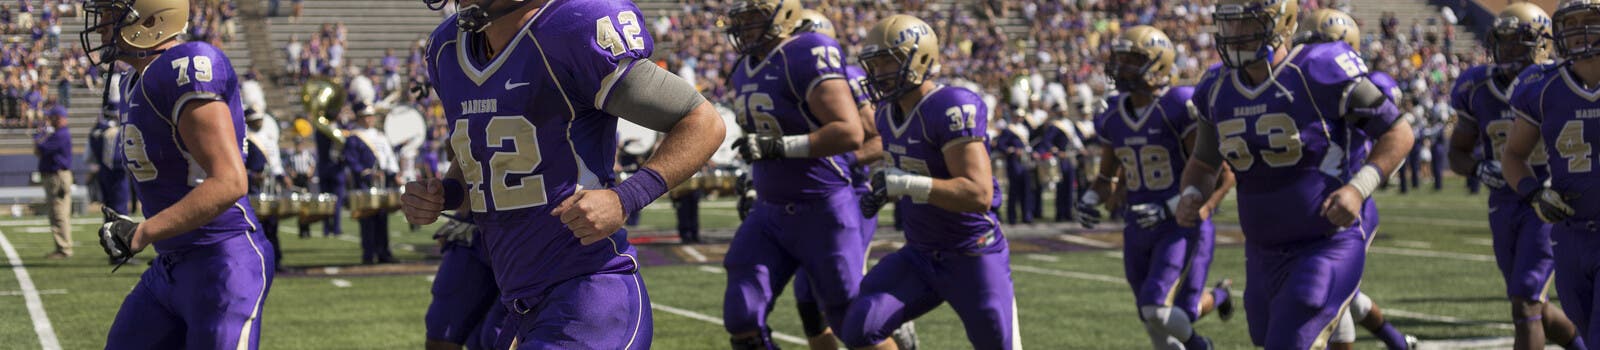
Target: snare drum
[365, 203]
[265, 205]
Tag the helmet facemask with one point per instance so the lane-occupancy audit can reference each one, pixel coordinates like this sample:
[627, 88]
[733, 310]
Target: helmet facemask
[890, 73]
[1247, 35]
[1577, 31]
[478, 15]
[1513, 49]
[1134, 72]
[105, 18]
[749, 27]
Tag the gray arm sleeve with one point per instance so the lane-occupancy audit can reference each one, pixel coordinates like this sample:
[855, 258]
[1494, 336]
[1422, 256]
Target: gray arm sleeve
[1205, 144]
[652, 97]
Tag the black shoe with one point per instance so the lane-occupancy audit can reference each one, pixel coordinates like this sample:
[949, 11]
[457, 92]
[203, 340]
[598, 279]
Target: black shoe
[388, 260]
[1225, 308]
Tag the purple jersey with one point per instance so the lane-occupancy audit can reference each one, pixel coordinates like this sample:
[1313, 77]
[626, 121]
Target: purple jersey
[915, 142]
[151, 144]
[771, 101]
[1484, 105]
[1385, 83]
[1149, 143]
[548, 140]
[1548, 96]
[1288, 141]
[857, 78]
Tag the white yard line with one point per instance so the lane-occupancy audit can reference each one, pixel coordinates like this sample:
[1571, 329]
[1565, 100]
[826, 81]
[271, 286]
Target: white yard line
[1412, 244]
[718, 321]
[693, 253]
[1085, 241]
[1240, 293]
[43, 222]
[1044, 258]
[1443, 319]
[346, 284]
[12, 293]
[1432, 254]
[30, 295]
[713, 269]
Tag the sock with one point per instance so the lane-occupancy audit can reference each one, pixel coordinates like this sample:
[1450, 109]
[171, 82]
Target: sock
[1391, 337]
[1197, 342]
[1576, 344]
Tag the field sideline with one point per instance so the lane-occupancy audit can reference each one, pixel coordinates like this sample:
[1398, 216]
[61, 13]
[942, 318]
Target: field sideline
[1431, 270]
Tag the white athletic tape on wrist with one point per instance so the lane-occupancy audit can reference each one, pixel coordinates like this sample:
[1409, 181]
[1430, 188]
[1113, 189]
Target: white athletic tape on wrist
[1172, 203]
[1366, 180]
[915, 186]
[797, 146]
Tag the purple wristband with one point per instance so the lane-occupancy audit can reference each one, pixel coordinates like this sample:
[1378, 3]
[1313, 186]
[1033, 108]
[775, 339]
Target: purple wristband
[1528, 186]
[640, 189]
[454, 194]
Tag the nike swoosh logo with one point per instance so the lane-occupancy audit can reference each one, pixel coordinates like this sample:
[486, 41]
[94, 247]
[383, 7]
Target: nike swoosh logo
[913, 141]
[510, 86]
[1492, 209]
[771, 77]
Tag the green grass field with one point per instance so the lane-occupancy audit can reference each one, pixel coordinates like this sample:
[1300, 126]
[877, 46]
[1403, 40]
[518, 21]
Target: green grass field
[1431, 270]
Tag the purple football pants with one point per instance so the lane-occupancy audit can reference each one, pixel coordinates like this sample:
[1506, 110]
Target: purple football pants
[1167, 265]
[823, 236]
[205, 297]
[465, 308]
[599, 311]
[1298, 291]
[913, 281]
[1521, 249]
[1576, 262]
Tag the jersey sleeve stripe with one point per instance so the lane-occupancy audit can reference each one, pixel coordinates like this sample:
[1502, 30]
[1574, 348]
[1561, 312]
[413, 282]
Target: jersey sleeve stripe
[610, 82]
[959, 141]
[177, 107]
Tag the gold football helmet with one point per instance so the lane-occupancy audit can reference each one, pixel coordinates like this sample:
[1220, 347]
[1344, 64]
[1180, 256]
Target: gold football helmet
[134, 26]
[1141, 59]
[752, 24]
[1252, 30]
[815, 22]
[1327, 25]
[900, 53]
[1518, 38]
[1577, 29]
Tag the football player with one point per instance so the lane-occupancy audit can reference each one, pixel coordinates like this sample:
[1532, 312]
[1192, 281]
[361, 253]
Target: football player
[1149, 131]
[1308, 138]
[183, 143]
[1557, 112]
[793, 99]
[818, 334]
[938, 173]
[536, 170]
[1521, 241]
[1328, 25]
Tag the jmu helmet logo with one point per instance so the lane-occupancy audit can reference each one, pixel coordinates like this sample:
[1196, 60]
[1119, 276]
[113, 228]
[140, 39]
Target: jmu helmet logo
[1157, 42]
[911, 34]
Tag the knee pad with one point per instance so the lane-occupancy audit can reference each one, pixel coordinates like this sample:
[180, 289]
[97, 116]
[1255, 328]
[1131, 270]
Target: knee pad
[1166, 319]
[811, 318]
[1344, 331]
[1360, 307]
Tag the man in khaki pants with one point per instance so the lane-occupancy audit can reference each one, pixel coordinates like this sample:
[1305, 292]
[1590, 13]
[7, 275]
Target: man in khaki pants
[54, 149]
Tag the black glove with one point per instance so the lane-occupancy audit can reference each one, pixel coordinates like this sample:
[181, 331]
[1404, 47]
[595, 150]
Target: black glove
[874, 200]
[755, 147]
[1149, 215]
[747, 195]
[1088, 214]
[116, 235]
[1551, 206]
[1489, 174]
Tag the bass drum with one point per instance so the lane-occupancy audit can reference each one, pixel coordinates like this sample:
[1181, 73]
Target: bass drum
[406, 130]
